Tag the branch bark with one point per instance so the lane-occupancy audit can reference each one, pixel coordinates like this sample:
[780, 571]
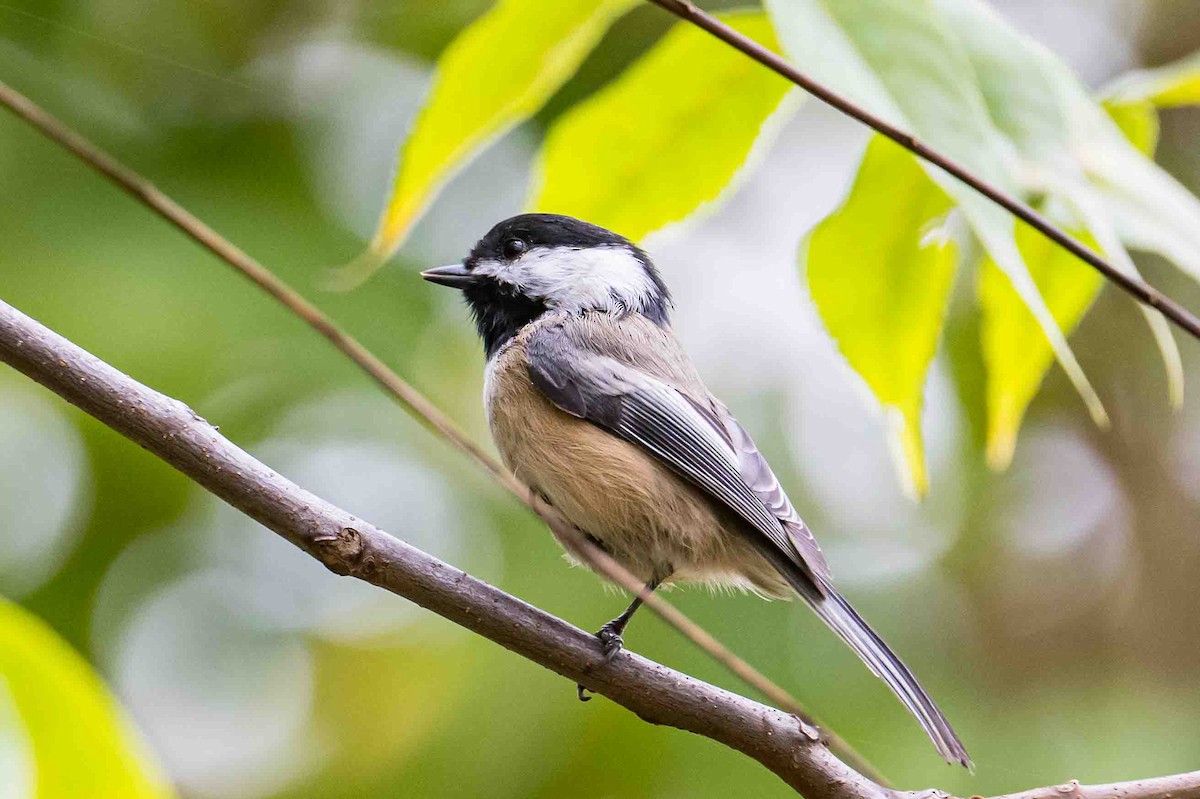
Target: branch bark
[351, 546]
[1140, 290]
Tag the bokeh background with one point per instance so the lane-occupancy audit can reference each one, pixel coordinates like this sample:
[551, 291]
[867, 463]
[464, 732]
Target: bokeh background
[1052, 609]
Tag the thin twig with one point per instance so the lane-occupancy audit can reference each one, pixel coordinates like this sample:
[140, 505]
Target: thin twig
[412, 401]
[350, 546]
[1139, 289]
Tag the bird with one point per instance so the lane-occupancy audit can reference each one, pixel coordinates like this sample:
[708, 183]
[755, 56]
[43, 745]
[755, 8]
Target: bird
[593, 402]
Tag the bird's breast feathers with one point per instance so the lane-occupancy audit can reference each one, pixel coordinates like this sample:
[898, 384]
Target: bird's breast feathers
[642, 512]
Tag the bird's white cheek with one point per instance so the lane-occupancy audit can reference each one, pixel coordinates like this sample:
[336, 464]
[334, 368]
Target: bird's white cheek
[572, 278]
[583, 278]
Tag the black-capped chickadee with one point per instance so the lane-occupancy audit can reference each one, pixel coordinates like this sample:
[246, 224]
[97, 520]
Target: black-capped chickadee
[593, 403]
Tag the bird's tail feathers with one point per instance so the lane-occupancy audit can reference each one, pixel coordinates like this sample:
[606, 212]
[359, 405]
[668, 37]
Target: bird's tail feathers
[835, 611]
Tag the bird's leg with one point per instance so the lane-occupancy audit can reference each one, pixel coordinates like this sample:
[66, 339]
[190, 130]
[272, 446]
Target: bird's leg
[610, 634]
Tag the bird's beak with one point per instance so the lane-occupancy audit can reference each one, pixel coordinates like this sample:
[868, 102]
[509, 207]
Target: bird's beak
[455, 276]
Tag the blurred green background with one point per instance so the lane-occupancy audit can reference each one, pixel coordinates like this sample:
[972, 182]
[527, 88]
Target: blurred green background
[1051, 609]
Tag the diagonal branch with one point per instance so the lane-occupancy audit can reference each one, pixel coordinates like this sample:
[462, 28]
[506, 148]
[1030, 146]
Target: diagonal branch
[350, 546]
[415, 403]
[1141, 291]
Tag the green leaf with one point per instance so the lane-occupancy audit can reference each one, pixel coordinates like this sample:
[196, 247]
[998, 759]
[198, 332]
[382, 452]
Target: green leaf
[1166, 87]
[900, 60]
[1132, 101]
[499, 71]
[883, 296]
[80, 742]
[1153, 211]
[1046, 112]
[665, 137]
[955, 74]
[1019, 80]
[1099, 220]
[903, 61]
[1143, 229]
[1015, 352]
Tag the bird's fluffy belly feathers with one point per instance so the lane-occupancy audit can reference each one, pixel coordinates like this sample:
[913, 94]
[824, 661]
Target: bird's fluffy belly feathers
[647, 517]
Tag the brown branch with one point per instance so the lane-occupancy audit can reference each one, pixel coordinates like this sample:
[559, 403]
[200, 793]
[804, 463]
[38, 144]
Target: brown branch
[1178, 786]
[350, 546]
[415, 403]
[1139, 289]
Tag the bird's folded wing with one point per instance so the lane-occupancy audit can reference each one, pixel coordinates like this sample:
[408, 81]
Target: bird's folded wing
[705, 445]
[757, 475]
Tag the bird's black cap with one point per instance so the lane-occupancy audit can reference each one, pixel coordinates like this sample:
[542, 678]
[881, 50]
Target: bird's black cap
[547, 230]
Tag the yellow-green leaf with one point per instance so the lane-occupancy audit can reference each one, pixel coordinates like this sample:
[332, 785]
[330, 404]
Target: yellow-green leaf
[79, 740]
[18, 775]
[1043, 108]
[917, 65]
[1138, 121]
[882, 295]
[1096, 217]
[1166, 87]
[1132, 99]
[1015, 351]
[500, 70]
[665, 137]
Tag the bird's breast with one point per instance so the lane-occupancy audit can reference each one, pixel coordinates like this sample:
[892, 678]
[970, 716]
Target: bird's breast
[593, 477]
[644, 514]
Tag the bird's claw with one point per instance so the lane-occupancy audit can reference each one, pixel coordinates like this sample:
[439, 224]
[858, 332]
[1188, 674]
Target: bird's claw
[611, 642]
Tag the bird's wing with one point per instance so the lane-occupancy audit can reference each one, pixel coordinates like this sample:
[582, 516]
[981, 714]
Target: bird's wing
[757, 475]
[697, 438]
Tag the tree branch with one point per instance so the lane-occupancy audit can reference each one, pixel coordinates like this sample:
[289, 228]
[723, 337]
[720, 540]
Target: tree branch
[413, 401]
[350, 546]
[1139, 289]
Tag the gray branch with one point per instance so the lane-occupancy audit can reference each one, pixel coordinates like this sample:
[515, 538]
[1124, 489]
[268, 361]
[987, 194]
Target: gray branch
[350, 546]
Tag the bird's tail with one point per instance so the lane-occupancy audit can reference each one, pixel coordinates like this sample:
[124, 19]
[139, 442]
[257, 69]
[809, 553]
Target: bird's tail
[835, 611]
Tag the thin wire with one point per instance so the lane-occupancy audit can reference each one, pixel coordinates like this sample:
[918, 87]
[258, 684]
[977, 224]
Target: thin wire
[1139, 289]
[412, 401]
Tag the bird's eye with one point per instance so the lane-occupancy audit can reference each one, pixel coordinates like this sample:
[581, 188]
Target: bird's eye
[514, 249]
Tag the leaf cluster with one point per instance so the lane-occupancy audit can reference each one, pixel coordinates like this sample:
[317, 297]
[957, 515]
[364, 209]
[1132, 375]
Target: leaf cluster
[671, 133]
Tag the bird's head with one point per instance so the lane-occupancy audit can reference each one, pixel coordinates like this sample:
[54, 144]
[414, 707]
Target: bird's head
[534, 263]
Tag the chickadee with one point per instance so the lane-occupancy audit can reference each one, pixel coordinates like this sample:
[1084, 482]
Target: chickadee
[593, 402]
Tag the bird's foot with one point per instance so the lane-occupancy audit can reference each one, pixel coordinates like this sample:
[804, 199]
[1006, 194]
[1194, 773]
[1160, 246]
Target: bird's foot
[611, 641]
[611, 644]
